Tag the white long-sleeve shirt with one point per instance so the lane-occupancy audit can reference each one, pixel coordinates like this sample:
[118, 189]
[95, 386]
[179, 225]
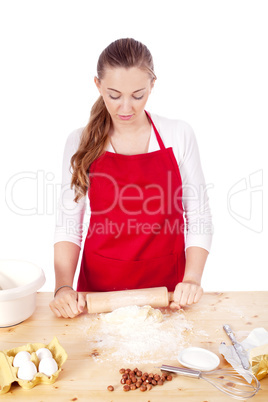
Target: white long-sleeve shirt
[174, 133]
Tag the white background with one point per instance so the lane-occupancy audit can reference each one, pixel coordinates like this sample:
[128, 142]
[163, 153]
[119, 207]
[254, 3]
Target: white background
[211, 62]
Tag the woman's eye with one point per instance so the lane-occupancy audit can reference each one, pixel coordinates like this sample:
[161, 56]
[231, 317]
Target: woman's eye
[134, 97]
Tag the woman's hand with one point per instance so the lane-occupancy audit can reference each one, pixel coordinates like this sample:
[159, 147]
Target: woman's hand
[185, 294]
[68, 303]
[189, 291]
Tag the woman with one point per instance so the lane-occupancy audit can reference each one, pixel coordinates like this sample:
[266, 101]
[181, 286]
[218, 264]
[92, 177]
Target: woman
[150, 222]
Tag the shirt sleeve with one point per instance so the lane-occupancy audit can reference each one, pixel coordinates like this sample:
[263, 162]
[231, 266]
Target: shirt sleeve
[70, 215]
[198, 219]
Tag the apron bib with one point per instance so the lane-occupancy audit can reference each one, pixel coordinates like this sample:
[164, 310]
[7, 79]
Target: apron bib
[136, 232]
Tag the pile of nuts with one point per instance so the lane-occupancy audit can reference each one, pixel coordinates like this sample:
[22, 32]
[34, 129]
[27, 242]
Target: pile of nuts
[133, 379]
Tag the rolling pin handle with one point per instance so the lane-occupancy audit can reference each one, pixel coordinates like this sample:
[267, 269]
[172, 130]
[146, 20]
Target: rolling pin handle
[170, 296]
[103, 302]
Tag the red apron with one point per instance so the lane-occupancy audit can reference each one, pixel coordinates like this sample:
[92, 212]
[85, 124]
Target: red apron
[136, 232]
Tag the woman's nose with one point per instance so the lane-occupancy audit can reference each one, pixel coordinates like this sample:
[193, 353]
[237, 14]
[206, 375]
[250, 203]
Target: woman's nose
[126, 106]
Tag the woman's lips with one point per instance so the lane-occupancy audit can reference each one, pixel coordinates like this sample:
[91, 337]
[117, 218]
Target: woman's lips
[125, 117]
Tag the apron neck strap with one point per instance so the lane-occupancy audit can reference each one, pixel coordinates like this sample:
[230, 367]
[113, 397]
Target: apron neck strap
[159, 139]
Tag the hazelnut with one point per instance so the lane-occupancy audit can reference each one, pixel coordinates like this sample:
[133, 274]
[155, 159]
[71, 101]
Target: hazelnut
[126, 388]
[143, 388]
[110, 388]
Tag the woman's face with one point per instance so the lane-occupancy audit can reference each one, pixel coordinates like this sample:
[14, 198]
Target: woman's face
[125, 92]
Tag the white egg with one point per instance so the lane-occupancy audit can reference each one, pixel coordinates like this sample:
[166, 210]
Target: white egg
[21, 357]
[48, 366]
[43, 352]
[27, 371]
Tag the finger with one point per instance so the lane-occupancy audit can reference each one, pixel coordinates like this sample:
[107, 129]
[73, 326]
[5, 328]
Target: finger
[193, 290]
[81, 302]
[54, 309]
[69, 310]
[185, 291]
[63, 307]
[195, 294]
[67, 304]
[178, 294]
[62, 311]
[72, 305]
[174, 306]
[58, 307]
[198, 295]
[191, 296]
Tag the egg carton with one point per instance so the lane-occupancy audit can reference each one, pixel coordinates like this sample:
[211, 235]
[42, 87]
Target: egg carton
[8, 373]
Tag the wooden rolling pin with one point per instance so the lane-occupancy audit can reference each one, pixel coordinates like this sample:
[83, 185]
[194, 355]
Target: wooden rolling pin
[103, 302]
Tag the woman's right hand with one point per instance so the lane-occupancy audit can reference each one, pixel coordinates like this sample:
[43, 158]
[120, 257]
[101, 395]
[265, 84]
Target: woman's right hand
[68, 303]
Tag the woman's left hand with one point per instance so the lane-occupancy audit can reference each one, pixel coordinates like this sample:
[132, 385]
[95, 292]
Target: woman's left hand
[185, 294]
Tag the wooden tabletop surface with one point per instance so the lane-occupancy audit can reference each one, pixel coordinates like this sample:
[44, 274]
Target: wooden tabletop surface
[85, 376]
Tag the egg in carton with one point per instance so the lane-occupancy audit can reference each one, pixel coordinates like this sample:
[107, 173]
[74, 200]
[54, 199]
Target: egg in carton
[8, 373]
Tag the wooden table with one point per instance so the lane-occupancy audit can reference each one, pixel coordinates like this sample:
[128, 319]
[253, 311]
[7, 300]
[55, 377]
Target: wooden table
[84, 379]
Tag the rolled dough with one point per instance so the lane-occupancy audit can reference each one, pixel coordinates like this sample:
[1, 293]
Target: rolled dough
[133, 313]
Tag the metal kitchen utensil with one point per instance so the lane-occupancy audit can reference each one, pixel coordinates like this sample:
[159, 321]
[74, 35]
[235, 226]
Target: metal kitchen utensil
[240, 351]
[225, 380]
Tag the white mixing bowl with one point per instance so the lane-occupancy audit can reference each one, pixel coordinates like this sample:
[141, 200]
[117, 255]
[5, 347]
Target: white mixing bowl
[19, 282]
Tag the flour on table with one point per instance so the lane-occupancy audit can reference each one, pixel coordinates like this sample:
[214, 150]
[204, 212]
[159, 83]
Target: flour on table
[133, 313]
[136, 335]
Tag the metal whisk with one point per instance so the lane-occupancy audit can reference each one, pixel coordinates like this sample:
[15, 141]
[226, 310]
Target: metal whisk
[227, 381]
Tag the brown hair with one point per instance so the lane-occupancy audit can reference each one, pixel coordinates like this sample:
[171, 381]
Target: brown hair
[121, 53]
